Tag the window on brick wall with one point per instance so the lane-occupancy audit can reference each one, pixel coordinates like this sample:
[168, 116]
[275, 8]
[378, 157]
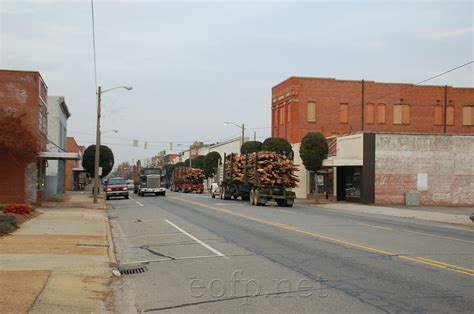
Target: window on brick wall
[369, 113]
[343, 113]
[468, 115]
[450, 115]
[381, 113]
[311, 111]
[282, 115]
[43, 120]
[438, 115]
[401, 114]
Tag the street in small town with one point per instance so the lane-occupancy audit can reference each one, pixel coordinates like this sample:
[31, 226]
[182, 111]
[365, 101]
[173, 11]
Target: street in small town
[203, 255]
[236, 157]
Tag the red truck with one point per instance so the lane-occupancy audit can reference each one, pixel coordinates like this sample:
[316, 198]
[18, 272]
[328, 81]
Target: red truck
[187, 180]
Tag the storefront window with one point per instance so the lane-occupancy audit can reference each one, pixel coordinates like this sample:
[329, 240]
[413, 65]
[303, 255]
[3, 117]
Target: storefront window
[353, 181]
[325, 181]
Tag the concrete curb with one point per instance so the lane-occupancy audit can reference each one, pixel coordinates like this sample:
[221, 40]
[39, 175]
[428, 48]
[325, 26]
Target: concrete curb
[111, 250]
[418, 215]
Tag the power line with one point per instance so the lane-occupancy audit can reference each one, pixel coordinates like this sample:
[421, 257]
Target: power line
[93, 44]
[426, 80]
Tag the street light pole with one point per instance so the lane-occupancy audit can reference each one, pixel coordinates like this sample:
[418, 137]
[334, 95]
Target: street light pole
[242, 141]
[97, 139]
[97, 147]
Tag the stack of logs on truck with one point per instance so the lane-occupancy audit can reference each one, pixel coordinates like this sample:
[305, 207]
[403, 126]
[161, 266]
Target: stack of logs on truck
[187, 180]
[259, 178]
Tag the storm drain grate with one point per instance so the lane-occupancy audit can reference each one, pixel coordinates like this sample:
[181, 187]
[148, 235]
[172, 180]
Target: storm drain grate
[133, 271]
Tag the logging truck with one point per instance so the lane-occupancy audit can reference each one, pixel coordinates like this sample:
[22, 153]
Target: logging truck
[250, 181]
[187, 180]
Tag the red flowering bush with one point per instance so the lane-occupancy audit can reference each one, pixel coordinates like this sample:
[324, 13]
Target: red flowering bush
[20, 209]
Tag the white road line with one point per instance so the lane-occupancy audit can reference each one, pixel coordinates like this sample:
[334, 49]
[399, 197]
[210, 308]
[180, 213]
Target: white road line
[197, 240]
[131, 198]
[139, 203]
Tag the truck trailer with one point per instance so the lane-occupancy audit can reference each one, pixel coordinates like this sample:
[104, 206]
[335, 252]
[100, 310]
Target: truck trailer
[254, 178]
[187, 180]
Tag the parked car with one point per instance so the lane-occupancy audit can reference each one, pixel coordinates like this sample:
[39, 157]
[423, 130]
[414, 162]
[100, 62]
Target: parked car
[130, 184]
[116, 187]
[215, 191]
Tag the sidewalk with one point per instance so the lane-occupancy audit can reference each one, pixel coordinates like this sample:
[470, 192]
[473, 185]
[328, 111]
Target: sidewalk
[59, 261]
[452, 215]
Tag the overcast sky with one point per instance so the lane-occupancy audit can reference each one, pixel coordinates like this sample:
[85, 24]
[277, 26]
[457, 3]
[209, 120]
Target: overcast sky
[194, 65]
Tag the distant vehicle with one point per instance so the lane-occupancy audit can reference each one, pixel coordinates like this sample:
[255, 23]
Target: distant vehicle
[215, 191]
[187, 180]
[130, 184]
[150, 182]
[116, 187]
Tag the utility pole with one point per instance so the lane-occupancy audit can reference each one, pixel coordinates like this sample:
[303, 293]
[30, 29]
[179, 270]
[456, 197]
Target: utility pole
[363, 101]
[243, 134]
[254, 136]
[97, 148]
[445, 107]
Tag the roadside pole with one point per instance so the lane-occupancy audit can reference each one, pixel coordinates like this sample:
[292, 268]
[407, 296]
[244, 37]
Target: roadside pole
[97, 148]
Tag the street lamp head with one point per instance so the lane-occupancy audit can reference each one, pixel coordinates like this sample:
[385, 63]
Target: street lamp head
[226, 123]
[128, 87]
[115, 131]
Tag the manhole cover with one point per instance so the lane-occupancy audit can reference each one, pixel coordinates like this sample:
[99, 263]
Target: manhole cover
[133, 270]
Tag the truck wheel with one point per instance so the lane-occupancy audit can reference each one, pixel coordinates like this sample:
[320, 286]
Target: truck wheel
[257, 198]
[163, 194]
[226, 197]
[281, 203]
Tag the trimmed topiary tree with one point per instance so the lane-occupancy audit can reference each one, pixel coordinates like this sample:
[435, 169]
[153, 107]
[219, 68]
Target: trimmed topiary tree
[106, 160]
[279, 145]
[210, 163]
[199, 162]
[313, 150]
[251, 147]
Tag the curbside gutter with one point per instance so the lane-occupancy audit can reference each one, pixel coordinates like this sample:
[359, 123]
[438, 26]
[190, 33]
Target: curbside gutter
[111, 249]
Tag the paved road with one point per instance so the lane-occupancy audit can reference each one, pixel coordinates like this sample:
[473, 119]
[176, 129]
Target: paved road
[208, 255]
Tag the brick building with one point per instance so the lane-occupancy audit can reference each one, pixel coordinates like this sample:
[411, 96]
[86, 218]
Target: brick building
[75, 175]
[24, 93]
[332, 107]
[342, 107]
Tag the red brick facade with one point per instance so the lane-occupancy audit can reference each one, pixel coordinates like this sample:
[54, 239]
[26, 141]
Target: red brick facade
[72, 147]
[301, 105]
[23, 92]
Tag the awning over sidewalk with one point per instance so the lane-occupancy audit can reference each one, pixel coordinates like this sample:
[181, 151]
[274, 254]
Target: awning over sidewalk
[59, 156]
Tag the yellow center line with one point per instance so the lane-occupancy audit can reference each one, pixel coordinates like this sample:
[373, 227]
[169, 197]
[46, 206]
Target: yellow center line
[420, 260]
